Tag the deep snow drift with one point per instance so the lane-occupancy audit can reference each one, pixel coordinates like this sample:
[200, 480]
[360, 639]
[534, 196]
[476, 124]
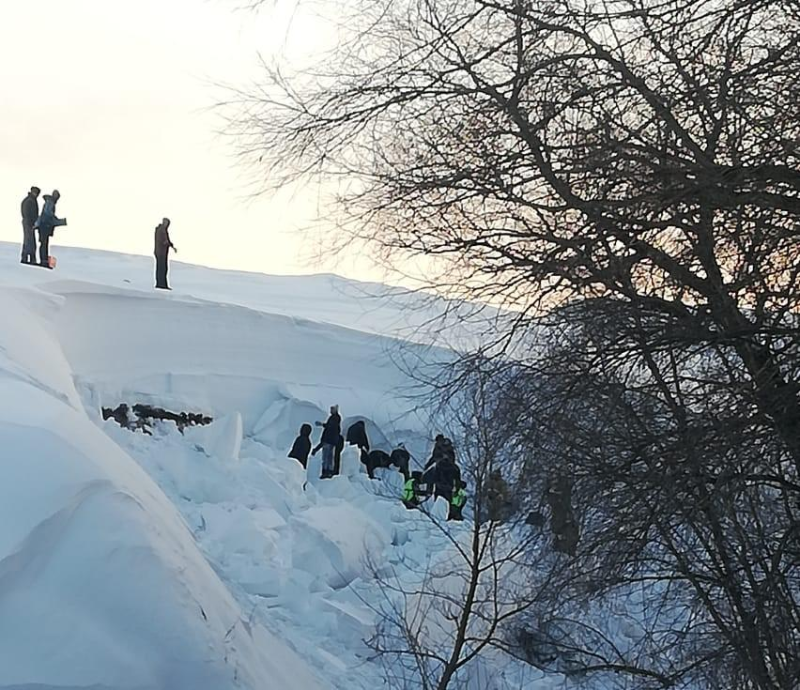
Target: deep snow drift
[205, 559]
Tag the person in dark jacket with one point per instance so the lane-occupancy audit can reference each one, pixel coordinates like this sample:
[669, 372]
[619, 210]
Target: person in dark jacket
[302, 446]
[375, 459]
[442, 448]
[47, 224]
[30, 214]
[331, 431]
[357, 436]
[443, 475]
[498, 497]
[400, 459]
[163, 244]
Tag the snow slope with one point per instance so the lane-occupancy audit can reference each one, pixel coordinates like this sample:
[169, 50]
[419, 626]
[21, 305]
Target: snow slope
[323, 298]
[101, 583]
[206, 559]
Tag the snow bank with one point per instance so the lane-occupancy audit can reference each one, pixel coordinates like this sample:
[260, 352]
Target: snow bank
[200, 559]
[101, 583]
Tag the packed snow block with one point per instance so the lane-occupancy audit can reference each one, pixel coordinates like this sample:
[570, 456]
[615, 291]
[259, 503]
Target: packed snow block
[221, 439]
[400, 535]
[336, 542]
[439, 509]
[266, 582]
[314, 470]
[281, 420]
[392, 481]
[354, 622]
[295, 596]
[351, 462]
[276, 495]
[339, 488]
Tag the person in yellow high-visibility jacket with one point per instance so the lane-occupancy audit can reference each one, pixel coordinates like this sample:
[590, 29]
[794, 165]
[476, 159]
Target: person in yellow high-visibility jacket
[414, 492]
[458, 501]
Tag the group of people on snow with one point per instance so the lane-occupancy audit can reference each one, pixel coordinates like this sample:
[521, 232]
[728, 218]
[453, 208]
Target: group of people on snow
[46, 221]
[441, 476]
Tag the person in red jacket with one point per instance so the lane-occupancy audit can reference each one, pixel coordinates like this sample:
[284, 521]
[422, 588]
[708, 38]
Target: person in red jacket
[163, 245]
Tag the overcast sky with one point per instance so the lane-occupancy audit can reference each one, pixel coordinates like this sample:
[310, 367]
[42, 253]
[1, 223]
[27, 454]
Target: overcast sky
[108, 101]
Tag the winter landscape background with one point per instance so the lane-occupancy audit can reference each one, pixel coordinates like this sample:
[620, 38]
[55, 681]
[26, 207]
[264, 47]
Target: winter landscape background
[202, 559]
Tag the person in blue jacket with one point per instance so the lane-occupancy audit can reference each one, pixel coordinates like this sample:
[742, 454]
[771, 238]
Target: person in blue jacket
[46, 225]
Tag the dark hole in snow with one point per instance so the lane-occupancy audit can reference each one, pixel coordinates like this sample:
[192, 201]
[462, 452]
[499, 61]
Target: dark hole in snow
[142, 417]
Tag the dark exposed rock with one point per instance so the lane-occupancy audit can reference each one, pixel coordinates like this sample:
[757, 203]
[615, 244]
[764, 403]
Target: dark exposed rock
[142, 417]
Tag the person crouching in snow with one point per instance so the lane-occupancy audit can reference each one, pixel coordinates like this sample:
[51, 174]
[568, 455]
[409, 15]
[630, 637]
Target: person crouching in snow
[163, 245]
[302, 446]
[357, 435]
[401, 459]
[414, 491]
[331, 431]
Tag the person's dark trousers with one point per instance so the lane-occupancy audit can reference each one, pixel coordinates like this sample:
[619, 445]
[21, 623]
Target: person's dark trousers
[445, 491]
[161, 271]
[44, 248]
[455, 513]
[337, 462]
[28, 244]
[403, 468]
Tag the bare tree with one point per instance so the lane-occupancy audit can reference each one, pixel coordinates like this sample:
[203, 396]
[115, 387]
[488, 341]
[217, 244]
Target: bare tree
[443, 616]
[623, 175]
[685, 502]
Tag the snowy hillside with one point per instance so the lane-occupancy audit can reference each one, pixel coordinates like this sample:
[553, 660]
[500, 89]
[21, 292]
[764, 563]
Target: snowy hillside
[203, 559]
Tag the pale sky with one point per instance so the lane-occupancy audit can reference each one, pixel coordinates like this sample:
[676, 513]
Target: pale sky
[108, 101]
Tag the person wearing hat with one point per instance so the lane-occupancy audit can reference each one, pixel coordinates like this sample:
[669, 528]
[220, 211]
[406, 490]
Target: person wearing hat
[302, 445]
[47, 224]
[331, 432]
[163, 245]
[401, 459]
[30, 214]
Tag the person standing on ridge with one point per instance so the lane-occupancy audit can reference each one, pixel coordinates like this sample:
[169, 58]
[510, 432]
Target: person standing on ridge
[47, 224]
[30, 214]
[163, 245]
[302, 445]
[331, 431]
